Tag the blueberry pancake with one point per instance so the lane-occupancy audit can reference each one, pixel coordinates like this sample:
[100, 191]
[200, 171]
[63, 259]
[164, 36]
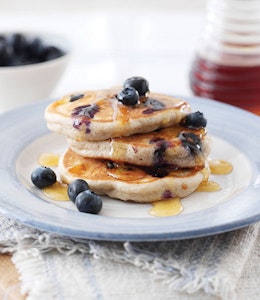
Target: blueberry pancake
[176, 145]
[129, 182]
[103, 114]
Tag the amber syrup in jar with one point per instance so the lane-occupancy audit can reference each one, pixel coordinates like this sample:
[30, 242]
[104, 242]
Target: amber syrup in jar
[227, 64]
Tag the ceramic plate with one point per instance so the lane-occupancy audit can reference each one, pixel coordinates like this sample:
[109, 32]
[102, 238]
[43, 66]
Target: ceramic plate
[236, 139]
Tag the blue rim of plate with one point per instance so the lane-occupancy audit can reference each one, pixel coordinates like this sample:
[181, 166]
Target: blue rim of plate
[21, 126]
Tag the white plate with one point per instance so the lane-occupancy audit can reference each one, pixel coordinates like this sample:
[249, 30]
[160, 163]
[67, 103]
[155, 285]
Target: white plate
[236, 139]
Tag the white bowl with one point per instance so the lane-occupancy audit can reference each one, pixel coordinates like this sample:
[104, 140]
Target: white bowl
[21, 85]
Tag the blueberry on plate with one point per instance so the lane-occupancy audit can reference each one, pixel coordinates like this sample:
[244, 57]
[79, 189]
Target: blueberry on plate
[195, 120]
[88, 202]
[75, 187]
[43, 177]
[139, 83]
[128, 96]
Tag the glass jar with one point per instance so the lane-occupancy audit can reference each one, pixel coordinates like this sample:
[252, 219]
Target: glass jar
[227, 63]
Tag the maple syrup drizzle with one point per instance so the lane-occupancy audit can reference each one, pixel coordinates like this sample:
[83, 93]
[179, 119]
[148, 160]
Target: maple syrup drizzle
[166, 208]
[123, 114]
[57, 191]
[208, 186]
[220, 167]
[205, 173]
[48, 159]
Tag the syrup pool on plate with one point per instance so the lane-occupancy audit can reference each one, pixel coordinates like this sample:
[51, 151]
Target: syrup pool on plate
[220, 167]
[57, 191]
[208, 186]
[167, 207]
[48, 159]
[217, 167]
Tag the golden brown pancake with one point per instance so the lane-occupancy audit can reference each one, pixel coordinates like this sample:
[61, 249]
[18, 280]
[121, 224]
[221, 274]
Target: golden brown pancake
[98, 115]
[128, 182]
[175, 145]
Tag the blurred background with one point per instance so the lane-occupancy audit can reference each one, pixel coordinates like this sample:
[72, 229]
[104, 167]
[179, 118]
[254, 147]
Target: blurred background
[114, 39]
[63, 5]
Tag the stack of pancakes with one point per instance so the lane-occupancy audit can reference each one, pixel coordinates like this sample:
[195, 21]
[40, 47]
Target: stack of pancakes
[142, 153]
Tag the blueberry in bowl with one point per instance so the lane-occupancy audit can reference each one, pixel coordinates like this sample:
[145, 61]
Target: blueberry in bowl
[31, 65]
[18, 49]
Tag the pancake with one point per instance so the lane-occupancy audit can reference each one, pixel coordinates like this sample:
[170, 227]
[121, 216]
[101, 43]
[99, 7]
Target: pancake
[128, 182]
[176, 145]
[98, 115]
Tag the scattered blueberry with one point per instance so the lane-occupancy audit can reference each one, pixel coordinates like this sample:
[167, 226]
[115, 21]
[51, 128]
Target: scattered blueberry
[18, 49]
[75, 187]
[139, 83]
[43, 177]
[195, 120]
[128, 96]
[88, 202]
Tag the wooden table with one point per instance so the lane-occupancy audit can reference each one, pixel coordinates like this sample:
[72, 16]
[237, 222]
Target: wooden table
[9, 279]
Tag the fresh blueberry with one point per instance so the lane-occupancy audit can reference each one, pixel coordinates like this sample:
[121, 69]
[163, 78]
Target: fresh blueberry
[43, 177]
[195, 120]
[139, 83]
[128, 96]
[19, 42]
[88, 202]
[52, 52]
[6, 54]
[35, 49]
[17, 49]
[75, 187]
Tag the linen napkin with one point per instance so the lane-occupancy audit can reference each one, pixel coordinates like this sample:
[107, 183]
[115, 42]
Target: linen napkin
[58, 267]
